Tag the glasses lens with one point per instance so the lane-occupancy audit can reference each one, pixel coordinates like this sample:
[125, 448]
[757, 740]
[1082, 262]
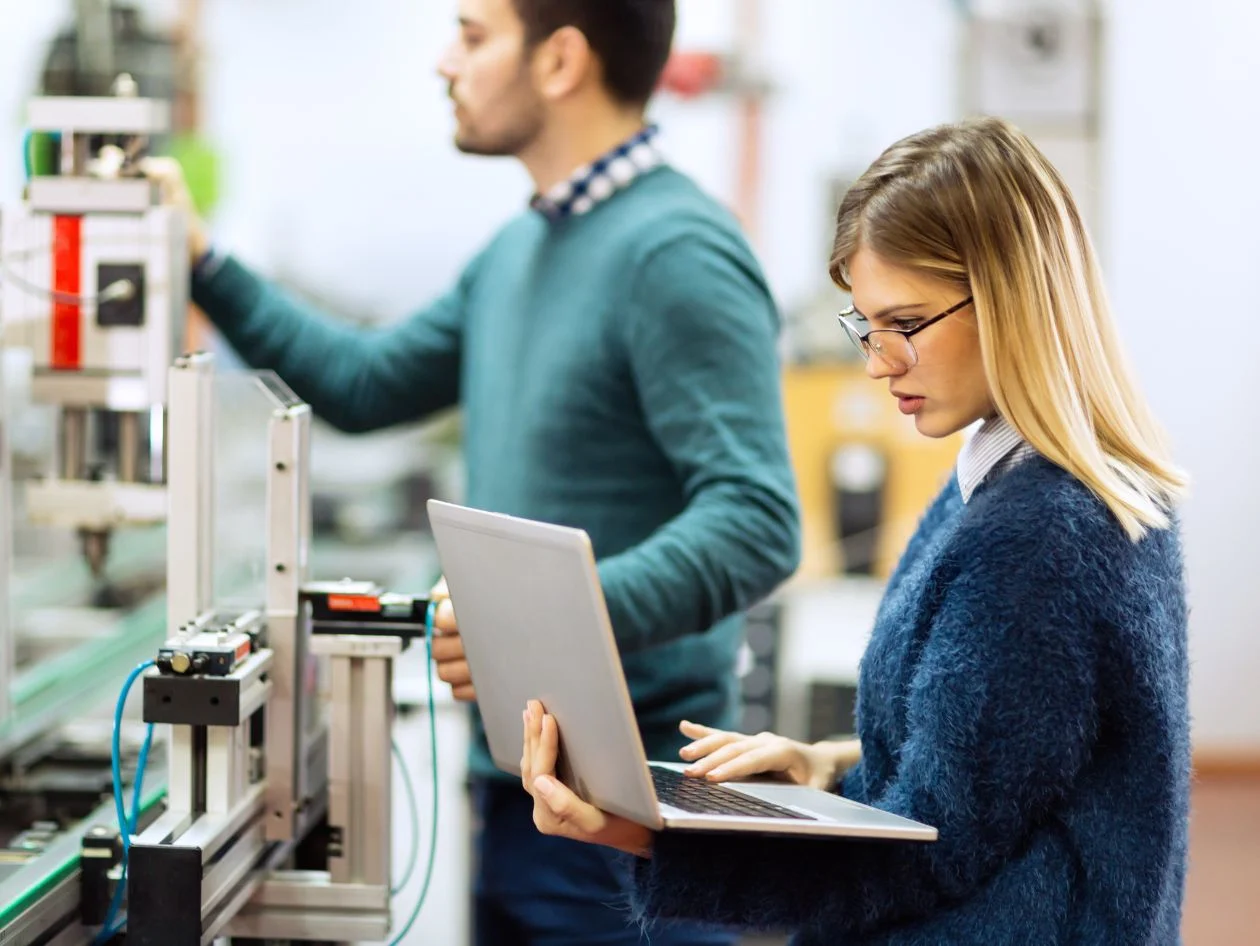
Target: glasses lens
[854, 337]
[893, 348]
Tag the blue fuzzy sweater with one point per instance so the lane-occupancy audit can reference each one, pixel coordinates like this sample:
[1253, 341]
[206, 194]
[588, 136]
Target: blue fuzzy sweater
[1024, 691]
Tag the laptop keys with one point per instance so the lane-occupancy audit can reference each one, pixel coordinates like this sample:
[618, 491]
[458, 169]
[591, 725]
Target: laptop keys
[706, 798]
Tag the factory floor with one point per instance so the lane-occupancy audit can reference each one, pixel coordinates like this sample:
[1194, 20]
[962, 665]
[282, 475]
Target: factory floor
[1223, 888]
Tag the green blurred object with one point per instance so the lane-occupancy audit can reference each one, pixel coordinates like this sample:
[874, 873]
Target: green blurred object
[41, 153]
[201, 170]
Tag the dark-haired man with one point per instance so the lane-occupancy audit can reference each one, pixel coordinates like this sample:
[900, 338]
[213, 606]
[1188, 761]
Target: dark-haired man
[613, 350]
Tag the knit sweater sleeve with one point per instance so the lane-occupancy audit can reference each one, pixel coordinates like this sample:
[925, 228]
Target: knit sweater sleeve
[1002, 713]
[700, 336]
[357, 379]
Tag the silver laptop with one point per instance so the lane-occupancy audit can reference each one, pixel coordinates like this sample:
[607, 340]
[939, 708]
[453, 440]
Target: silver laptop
[532, 616]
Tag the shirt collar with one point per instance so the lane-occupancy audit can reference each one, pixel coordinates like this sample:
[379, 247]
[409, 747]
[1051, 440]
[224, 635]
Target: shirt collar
[593, 183]
[994, 442]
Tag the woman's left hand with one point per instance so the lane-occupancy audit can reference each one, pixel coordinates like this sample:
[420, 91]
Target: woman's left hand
[557, 810]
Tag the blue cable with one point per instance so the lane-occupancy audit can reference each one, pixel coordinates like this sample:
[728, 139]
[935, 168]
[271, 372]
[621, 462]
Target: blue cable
[428, 871]
[126, 825]
[415, 820]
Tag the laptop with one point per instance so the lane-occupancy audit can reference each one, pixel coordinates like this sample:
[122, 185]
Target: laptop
[534, 625]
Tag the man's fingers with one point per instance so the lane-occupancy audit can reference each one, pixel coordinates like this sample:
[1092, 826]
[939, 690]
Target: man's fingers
[444, 617]
[464, 694]
[446, 649]
[455, 672]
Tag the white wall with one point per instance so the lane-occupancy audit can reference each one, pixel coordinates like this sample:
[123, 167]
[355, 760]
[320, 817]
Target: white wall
[1183, 207]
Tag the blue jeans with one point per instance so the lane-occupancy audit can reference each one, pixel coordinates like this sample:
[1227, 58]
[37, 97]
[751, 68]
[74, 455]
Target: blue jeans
[530, 889]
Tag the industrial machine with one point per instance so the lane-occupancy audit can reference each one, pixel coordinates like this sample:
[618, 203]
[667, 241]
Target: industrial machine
[93, 283]
[274, 822]
[276, 819]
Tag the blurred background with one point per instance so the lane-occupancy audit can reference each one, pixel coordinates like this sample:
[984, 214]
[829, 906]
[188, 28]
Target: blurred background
[317, 139]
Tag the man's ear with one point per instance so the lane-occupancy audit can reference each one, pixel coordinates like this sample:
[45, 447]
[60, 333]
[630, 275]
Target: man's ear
[563, 63]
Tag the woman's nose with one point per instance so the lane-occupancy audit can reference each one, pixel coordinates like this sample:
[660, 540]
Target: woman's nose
[877, 368]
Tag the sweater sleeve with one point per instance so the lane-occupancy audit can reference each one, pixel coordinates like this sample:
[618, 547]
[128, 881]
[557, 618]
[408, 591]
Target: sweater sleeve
[357, 379]
[701, 336]
[1001, 717]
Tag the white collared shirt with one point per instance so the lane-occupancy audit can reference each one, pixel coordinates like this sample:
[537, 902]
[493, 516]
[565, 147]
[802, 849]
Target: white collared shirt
[996, 444]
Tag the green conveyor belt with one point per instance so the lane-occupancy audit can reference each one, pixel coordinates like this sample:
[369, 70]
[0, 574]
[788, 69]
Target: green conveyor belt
[42, 875]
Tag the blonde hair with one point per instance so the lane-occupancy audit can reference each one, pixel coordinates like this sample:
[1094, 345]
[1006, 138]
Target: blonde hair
[977, 204]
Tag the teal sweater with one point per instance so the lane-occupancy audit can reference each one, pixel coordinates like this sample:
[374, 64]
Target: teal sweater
[617, 372]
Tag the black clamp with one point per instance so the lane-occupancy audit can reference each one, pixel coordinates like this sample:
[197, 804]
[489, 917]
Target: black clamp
[366, 609]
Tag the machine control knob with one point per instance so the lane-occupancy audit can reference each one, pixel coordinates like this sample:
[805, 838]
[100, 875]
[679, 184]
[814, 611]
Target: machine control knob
[180, 662]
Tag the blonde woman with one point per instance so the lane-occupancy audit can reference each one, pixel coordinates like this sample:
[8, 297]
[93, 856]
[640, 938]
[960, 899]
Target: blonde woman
[1024, 689]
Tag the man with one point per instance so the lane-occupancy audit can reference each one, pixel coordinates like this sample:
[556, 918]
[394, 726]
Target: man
[614, 352]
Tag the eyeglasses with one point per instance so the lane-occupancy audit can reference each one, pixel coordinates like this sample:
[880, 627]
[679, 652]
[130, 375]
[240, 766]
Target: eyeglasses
[891, 345]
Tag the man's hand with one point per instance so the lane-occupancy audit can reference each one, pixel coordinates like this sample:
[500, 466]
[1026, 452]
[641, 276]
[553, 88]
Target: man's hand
[169, 176]
[447, 646]
[559, 812]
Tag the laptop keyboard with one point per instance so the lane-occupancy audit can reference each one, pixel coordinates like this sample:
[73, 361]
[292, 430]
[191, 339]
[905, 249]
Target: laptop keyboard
[706, 798]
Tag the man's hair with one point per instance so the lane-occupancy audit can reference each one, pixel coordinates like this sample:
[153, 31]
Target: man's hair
[631, 38]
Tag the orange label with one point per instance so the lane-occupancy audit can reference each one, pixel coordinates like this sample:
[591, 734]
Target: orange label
[354, 603]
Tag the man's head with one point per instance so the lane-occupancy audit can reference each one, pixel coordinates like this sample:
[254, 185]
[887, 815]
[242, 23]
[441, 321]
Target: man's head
[516, 64]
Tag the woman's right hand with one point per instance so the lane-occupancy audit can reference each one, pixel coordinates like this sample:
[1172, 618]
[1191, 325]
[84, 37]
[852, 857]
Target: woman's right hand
[720, 756]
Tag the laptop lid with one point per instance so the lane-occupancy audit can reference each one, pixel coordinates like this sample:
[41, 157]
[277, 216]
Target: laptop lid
[534, 625]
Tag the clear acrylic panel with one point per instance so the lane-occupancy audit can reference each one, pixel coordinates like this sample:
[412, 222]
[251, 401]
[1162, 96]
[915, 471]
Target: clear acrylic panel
[69, 633]
[245, 402]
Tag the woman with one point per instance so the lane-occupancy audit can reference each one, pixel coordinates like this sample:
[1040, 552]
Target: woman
[1024, 688]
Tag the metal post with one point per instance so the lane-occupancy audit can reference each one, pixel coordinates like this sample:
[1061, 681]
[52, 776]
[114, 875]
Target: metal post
[288, 533]
[73, 442]
[130, 446]
[190, 491]
[359, 764]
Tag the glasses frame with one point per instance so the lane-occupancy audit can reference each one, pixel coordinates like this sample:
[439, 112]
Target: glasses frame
[864, 346]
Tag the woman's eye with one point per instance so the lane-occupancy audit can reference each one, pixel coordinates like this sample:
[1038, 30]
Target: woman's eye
[905, 325]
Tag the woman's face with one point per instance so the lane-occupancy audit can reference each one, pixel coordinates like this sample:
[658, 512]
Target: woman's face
[946, 388]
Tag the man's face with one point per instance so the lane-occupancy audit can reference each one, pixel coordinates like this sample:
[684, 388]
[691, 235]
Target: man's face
[497, 110]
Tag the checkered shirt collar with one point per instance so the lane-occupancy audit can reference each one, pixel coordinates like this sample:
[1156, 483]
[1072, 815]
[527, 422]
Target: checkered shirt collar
[594, 183]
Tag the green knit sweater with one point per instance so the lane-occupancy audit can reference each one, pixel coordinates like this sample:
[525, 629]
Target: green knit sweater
[617, 372]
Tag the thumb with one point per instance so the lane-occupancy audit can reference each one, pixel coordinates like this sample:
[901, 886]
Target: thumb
[566, 806]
